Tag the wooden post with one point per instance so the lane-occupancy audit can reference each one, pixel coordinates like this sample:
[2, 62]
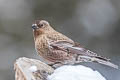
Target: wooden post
[31, 69]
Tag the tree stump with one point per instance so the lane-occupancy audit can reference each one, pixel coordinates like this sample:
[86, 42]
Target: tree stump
[31, 69]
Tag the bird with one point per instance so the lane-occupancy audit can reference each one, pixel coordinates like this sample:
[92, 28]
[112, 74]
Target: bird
[57, 49]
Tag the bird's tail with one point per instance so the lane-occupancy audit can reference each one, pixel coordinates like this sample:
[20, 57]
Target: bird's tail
[98, 59]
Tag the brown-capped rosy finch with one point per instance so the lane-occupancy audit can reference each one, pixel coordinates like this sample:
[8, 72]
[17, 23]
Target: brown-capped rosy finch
[57, 49]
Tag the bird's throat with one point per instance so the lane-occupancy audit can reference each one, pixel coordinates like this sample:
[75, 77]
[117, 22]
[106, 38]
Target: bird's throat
[36, 34]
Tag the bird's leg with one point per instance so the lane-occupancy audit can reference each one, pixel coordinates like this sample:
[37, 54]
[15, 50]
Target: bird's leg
[55, 65]
[68, 51]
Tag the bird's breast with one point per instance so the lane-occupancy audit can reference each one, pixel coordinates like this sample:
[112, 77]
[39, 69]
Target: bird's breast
[41, 44]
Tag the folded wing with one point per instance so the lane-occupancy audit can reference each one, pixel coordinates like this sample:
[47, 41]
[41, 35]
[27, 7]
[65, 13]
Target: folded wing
[83, 54]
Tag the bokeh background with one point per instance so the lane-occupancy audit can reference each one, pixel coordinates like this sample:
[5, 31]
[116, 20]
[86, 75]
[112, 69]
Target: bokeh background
[93, 23]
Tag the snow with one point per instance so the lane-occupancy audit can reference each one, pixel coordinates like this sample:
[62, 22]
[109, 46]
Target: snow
[33, 68]
[75, 73]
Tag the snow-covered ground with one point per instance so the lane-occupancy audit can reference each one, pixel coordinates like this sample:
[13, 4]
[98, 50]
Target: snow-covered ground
[75, 73]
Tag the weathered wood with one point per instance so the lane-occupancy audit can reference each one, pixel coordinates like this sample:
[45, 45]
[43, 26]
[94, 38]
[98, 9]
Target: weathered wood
[31, 69]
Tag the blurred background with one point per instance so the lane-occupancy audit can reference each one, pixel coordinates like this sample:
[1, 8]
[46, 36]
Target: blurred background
[93, 23]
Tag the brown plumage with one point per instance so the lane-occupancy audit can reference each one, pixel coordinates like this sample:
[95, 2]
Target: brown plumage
[57, 49]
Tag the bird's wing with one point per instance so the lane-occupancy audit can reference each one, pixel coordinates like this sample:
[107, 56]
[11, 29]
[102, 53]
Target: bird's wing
[83, 53]
[76, 48]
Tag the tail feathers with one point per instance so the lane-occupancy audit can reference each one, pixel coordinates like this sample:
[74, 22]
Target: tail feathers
[98, 60]
[102, 61]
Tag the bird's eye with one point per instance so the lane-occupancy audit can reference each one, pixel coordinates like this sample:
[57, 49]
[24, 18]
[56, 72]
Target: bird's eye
[40, 25]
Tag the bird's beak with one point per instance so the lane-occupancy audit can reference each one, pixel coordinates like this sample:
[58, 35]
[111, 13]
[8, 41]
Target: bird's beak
[34, 26]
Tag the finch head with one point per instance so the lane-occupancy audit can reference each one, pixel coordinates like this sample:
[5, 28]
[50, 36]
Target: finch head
[40, 27]
[40, 24]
